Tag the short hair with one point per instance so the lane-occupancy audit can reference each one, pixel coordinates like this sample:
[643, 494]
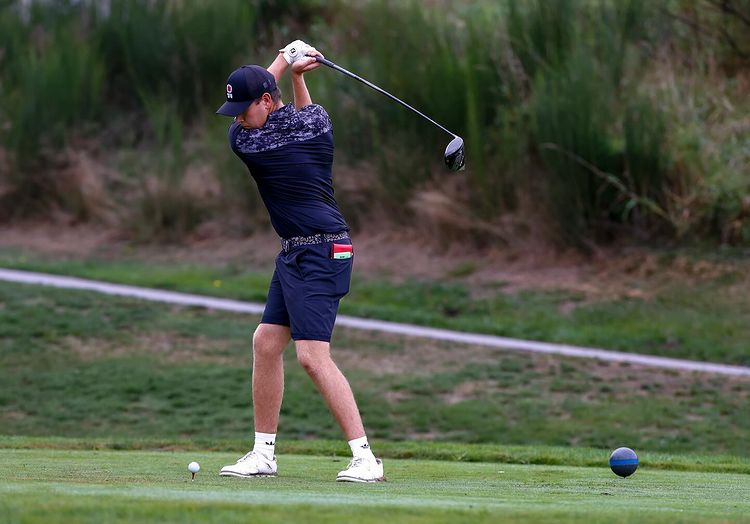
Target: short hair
[275, 96]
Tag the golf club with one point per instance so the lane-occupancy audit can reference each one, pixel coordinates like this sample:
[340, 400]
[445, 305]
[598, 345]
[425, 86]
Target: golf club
[454, 152]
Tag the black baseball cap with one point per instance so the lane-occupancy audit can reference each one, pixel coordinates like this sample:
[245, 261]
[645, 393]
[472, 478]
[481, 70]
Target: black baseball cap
[244, 85]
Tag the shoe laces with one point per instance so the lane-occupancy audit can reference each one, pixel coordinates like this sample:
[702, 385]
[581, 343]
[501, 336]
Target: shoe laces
[246, 456]
[356, 461]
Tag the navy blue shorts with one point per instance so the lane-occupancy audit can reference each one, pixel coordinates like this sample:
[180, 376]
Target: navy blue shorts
[305, 290]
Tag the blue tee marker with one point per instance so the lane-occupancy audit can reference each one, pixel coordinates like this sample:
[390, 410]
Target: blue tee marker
[623, 462]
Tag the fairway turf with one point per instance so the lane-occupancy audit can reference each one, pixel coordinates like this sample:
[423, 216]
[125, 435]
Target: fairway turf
[95, 486]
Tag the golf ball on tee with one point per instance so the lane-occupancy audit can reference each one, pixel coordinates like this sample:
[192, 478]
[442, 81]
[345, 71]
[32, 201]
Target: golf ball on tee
[194, 467]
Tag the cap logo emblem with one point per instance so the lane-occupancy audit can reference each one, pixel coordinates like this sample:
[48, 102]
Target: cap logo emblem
[229, 90]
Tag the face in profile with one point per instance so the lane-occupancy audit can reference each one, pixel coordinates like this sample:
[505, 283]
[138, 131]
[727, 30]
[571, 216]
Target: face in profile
[257, 112]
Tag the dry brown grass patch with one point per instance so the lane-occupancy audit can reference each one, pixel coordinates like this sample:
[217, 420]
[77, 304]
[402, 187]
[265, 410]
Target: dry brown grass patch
[167, 347]
[405, 355]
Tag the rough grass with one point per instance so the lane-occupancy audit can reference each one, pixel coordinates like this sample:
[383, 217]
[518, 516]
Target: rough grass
[702, 319]
[196, 385]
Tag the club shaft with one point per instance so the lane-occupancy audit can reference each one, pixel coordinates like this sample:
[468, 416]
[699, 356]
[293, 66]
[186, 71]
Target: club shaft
[379, 90]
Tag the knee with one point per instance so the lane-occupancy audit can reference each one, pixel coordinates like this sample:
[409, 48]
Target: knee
[311, 361]
[307, 361]
[267, 344]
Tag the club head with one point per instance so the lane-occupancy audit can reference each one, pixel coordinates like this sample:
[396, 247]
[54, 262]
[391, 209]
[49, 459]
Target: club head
[454, 154]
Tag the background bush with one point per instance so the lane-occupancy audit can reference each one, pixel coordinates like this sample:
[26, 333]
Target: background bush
[602, 119]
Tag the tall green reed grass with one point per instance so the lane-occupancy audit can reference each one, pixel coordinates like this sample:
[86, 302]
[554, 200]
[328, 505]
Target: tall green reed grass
[59, 85]
[182, 51]
[553, 88]
[444, 66]
[603, 146]
[53, 85]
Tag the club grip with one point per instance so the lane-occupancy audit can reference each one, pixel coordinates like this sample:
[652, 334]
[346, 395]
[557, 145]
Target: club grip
[325, 61]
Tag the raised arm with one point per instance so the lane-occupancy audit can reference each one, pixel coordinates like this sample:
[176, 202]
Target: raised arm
[301, 66]
[289, 54]
[278, 66]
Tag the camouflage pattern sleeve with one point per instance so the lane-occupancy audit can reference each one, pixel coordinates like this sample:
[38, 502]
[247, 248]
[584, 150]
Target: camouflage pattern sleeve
[284, 126]
[316, 117]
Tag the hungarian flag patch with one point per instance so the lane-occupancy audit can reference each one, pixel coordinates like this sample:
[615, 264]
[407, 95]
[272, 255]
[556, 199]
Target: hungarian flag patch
[342, 251]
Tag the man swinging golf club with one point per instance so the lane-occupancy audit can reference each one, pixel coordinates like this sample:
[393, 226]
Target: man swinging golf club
[289, 152]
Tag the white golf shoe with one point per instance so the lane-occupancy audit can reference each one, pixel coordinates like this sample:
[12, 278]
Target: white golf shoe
[251, 465]
[362, 470]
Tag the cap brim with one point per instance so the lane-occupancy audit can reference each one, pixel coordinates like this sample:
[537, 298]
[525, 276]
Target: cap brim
[232, 108]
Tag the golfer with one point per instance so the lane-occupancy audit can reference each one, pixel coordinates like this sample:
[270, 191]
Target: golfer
[289, 152]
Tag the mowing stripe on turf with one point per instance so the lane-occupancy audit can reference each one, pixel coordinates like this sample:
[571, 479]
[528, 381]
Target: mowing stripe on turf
[237, 306]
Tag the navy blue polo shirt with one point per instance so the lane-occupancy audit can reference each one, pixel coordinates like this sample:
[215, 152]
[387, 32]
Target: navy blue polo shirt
[290, 158]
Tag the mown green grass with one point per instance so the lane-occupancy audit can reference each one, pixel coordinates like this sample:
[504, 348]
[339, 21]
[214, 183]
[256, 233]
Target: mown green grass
[706, 320]
[78, 364]
[105, 486]
[413, 449]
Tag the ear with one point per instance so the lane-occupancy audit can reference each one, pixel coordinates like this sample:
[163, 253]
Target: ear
[267, 99]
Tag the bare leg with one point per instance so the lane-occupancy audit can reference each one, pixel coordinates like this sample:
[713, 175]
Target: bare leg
[269, 342]
[315, 357]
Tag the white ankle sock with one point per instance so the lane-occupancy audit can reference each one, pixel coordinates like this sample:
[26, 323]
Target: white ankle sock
[265, 443]
[361, 448]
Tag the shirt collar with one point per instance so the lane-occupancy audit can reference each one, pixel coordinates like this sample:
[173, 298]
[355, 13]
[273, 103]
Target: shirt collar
[280, 113]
